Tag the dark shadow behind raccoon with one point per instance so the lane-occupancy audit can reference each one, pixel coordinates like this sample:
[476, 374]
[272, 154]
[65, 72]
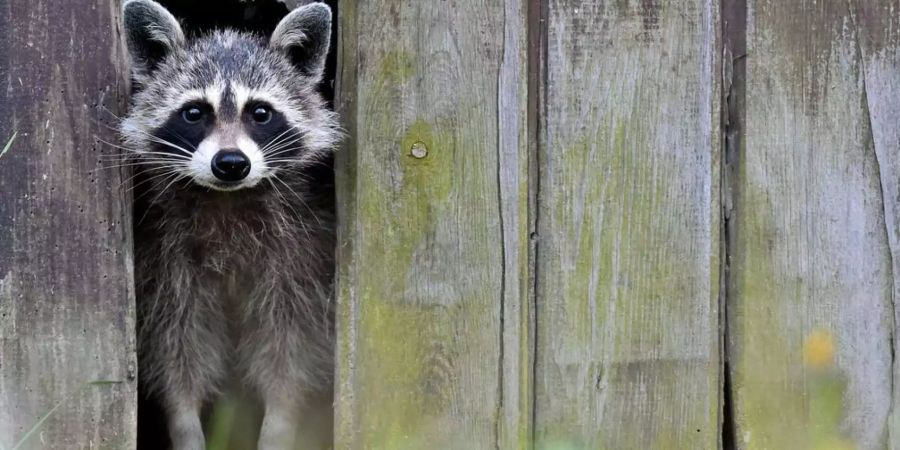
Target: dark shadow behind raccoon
[234, 235]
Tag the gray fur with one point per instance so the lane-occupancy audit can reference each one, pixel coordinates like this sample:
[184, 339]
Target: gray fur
[304, 36]
[150, 32]
[234, 287]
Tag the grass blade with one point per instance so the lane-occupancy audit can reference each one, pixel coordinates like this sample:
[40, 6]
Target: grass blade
[9, 143]
[59, 404]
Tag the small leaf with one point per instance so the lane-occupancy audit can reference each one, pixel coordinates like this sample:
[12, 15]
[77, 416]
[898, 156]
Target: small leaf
[104, 382]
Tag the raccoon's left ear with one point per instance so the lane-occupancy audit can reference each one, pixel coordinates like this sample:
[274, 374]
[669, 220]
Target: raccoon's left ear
[304, 36]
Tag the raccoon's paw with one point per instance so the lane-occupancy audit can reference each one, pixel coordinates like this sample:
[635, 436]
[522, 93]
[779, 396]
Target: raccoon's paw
[187, 432]
[278, 431]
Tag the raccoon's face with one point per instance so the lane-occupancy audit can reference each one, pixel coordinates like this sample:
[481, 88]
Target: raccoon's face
[227, 110]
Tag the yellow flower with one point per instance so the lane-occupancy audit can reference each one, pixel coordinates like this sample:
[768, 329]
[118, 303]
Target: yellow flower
[818, 350]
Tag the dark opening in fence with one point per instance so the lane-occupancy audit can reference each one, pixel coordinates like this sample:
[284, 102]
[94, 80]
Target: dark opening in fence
[232, 431]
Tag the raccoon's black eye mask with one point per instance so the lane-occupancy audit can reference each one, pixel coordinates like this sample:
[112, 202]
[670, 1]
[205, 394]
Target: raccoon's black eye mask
[270, 129]
[186, 127]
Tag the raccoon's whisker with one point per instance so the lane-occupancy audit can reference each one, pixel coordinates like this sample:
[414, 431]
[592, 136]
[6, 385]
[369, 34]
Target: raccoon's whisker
[288, 204]
[181, 138]
[163, 169]
[116, 158]
[136, 172]
[276, 139]
[131, 151]
[117, 145]
[294, 171]
[166, 187]
[282, 151]
[136, 160]
[154, 177]
[137, 163]
[153, 138]
[305, 162]
[292, 175]
[163, 157]
[284, 163]
[156, 139]
[107, 126]
[108, 111]
[290, 133]
[162, 141]
[145, 156]
[288, 160]
[175, 178]
[292, 167]
[101, 124]
[132, 159]
[144, 132]
[271, 150]
[149, 135]
[302, 202]
[130, 179]
[285, 139]
[281, 148]
[165, 154]
[143, 194]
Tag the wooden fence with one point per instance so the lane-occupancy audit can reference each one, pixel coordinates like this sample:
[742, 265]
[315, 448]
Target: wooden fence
[620, 224]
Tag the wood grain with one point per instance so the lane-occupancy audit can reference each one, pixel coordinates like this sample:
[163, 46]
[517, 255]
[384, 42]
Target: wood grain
[810, 312]
[66, 300]
[879, 27]
[629, 227]
[433, 291]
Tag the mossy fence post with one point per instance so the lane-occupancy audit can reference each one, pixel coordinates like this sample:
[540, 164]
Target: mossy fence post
[813, 285]
[66, 295]
[531, 225]
[433, 344]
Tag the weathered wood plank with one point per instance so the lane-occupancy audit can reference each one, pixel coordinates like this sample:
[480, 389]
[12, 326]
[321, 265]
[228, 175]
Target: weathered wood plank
[66, 301]
[629, 225]
[879, 25]
[810, 305]
[433, 311]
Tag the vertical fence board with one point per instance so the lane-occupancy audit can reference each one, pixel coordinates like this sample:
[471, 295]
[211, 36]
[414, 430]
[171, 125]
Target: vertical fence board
[629, 224]
[432, 308]
[879, 25]
[66, 312]
[810, 307]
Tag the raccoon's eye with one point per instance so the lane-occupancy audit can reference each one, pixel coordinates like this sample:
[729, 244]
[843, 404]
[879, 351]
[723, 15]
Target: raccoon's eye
[262, 115]
[192, 114]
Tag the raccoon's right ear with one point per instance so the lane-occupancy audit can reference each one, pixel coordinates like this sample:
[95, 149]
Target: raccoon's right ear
[152, 33]
[304, 36]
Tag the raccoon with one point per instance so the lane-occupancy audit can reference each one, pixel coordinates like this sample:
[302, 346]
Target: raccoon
[235, 232]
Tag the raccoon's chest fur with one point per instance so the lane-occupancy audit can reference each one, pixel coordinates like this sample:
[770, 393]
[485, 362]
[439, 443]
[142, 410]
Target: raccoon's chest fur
[239, 256]
[232, 239]
[231, 247]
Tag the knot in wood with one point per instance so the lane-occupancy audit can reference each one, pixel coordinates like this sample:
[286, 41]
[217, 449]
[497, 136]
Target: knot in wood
[419, 150]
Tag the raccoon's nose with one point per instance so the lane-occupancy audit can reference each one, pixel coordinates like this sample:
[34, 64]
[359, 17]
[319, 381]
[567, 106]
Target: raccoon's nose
[230, 165]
